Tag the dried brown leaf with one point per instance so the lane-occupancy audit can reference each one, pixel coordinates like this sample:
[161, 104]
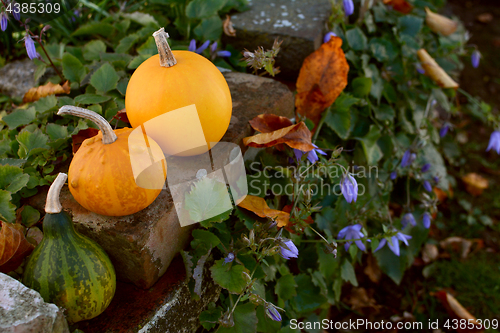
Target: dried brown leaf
[434, 71]
[34, 94]
[430, 253]
[439, 23]
[359, 299]
[259, 207]
[485, 17]
[122, 115]
[266, 123]
[81, 136]
[475, 184]
[14, 247]
[322, 77]
[457, 311]
[372, 270]
[296, 136]
[228, 27]
[401, 6]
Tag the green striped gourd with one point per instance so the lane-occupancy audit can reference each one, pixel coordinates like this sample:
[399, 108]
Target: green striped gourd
[67, 268]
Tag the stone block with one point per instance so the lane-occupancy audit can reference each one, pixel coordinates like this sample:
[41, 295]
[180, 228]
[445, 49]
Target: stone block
[23, 310]
[300, 24]
[141, 246]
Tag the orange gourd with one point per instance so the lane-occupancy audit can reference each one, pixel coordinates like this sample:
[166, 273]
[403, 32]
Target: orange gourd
[172, 80]
[103, 177]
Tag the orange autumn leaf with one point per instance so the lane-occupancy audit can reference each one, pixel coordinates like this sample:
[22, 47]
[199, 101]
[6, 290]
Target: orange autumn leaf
[439, 23]
[401, 6]
[266, 123]
[34, 94]
[260, 208]
[296, 136]
[475, 184]
[14, 247]
[289, 227]
[322, 77]
[434, 71]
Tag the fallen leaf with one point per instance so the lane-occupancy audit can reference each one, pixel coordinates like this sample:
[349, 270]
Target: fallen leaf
[372, 270]
[14, 247]
[122, 115]
[259, 207]
[401, 6]
[34, 94]
[485, 17]
[434, 71]
[34, 235]
[266, 123]
[322, 77]
[439, 23]
[475, 184]
[296, 136]
[359, 299]
[228, 27]
[461, 245]
[81, 136]
[457, 311]
[430, 253]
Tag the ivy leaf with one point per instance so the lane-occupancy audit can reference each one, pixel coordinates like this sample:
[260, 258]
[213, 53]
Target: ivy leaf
[126, 43]
[391, 264]
[56, 132]
[347, 273]
[20, 117]
[31, 142]
[208, 199]
[87, 99]
[229, 276]
[7, 208]
[356, 39]
[92, 50]
[73, 69]
[309, 296]
[206, 237]
[95, 28]
[361, 86]
[209, 29]
[45, 103]
[410, 25]
[203, 9]
[209, 318]
[340, 122]
[105, 78]
[372, 151]
[286, 287]
[245, 320]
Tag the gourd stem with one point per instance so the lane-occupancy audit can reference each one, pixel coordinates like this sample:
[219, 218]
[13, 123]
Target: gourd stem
[166, 57]
[53, 205]
[108, 135]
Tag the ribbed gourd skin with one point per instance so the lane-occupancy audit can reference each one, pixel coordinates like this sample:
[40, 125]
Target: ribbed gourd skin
[70, 270]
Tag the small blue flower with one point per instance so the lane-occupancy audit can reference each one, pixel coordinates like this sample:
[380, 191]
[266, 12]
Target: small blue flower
[223, 54]
[408, 158]
[394, 174]
[427, 186]
[349, 188]
[312, 155]
[408, 219]
[16, 12]
[494, 142]
[328, 36]
[352, 232]
[436, 179]
[426, 220]
[426, 167]
[291, 252]
[348, 7]
[229, 258]
[272, 312]
[420, 69]
[395, 243]
[192, 45]
[3, 21]
[30, 47]
[444, 130]
[203, 47]
[475, 57]
[213, 47]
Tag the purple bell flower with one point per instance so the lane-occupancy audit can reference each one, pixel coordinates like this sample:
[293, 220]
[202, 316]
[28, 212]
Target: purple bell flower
[494, 142]
[312, 155]
[213, 47]
[272, 312]
[328, 36]
[408, 219]
[291, 252]
[348, 7]
[394, 174]
[3, 21]
[419, 68]
[427, 186]
[444, 130]
[475, 58]
[352, 232]
[349, 188]
[395, 243]
[203, 47]
[426, 167]
[408, 158]
[30, 47]
[229, 258]
[192, 45]
[15, 12]
[223, 54]
[426, 220]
